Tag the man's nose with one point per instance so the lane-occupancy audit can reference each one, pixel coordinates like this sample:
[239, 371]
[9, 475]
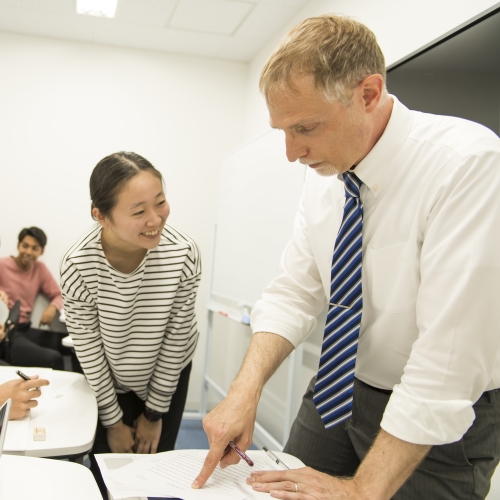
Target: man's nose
[294, 150]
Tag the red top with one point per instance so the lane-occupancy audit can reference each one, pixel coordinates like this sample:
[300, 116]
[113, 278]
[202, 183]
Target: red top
[26, 285]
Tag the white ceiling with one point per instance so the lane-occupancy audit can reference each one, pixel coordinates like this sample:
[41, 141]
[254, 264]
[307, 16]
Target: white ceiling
[234, 30]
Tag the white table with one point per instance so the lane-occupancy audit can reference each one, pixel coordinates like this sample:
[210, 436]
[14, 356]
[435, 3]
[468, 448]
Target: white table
[28, 478]
[68, 411]
[68, 342]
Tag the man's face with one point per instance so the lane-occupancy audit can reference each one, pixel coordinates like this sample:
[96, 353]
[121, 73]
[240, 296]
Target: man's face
[29, 251]
[325, 135]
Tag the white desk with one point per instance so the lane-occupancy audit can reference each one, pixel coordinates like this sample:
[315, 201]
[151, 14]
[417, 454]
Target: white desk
[67, 342]
[28, 478]
[68, 411]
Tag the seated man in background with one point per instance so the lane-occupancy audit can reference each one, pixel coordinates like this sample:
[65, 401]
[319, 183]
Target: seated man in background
[23, 278]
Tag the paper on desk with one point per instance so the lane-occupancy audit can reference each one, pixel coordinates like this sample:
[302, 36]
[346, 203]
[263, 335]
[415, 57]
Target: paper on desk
[112, 461]
[172, 473]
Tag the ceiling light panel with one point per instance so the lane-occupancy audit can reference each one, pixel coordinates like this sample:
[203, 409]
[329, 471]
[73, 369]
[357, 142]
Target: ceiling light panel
[221, 17]
[100, 8]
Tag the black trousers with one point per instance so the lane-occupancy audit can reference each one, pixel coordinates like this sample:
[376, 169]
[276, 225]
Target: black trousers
[132, 406]
[458, 471]
[33, 347]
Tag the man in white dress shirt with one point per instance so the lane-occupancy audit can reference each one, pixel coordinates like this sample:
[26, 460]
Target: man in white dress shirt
[424, 418]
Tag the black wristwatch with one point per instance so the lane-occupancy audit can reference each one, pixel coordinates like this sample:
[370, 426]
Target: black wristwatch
[152, 415]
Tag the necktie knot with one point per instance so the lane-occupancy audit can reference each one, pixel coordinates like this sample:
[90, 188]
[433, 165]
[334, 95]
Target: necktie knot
[352, 185]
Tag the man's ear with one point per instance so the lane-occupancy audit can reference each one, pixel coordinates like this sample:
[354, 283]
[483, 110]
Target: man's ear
[373, 88]
[103, 221]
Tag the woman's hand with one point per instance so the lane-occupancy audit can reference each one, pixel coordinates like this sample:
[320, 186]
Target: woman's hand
[120, 438]
[147, 435]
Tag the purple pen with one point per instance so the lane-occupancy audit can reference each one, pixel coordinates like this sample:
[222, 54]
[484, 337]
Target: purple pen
[241, 454]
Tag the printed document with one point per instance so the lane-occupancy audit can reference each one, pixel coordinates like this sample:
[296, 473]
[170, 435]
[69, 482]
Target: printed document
[170, 475]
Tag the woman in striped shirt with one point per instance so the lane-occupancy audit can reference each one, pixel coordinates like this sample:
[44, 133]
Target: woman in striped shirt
[129, 288]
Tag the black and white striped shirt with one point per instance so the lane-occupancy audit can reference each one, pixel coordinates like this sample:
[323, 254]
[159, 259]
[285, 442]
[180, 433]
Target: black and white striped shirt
[132, 332]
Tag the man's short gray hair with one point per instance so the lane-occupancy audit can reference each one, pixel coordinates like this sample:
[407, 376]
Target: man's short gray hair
[337, 51]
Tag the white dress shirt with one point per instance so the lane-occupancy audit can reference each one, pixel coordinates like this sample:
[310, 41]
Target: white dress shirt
[430, 328]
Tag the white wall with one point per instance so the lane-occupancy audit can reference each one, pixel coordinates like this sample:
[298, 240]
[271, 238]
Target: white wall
[401, 27]
[66, 105]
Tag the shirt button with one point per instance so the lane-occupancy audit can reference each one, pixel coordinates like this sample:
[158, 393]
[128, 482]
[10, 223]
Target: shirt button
[375, 188]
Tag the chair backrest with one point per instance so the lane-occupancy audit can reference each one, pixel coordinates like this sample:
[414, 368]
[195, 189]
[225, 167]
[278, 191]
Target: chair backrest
[41, 303]
[4, 312]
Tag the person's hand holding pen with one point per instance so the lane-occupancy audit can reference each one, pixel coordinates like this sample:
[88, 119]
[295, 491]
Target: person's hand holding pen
[232, 420]
[23, 394]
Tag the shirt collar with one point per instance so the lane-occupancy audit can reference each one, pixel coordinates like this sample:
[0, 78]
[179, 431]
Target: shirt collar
[374, 167]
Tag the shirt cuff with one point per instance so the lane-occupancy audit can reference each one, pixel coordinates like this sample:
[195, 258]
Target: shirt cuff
[426, 421]
[57, 303]
[109, 417]
[288, 322]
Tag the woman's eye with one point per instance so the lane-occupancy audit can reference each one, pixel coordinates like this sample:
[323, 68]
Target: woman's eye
[161, 203]
[139, 213]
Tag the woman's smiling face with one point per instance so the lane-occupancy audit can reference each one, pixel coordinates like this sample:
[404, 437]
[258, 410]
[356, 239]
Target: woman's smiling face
[140, 213]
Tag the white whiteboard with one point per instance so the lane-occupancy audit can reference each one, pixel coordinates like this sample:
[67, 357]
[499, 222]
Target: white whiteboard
[258, 198]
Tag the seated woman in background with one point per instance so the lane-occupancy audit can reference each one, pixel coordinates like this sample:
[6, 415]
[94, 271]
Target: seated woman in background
[129, 289]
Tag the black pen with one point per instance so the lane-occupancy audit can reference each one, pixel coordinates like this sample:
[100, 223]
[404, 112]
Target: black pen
[25, 377]
[242, 454]
[22, 375]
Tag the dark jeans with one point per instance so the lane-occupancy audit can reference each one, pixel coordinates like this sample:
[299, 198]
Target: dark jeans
[34, 347]
[132, 406]
[458, 471]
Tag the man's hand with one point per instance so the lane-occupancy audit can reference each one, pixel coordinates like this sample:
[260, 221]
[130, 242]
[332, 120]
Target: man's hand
[2, 332]
[23, 394]
[311, 485]
[234, 418]
[147, 435]
[231, 420]
[382, 472]
[120, 438]
[4, 297]
[48, 315]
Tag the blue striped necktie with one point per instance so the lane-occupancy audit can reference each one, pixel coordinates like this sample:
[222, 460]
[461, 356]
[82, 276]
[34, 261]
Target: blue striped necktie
[335, 381]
